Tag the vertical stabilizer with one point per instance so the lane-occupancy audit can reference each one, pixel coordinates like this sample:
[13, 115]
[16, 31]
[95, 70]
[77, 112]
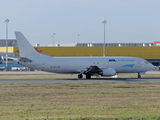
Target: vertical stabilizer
[25, 48]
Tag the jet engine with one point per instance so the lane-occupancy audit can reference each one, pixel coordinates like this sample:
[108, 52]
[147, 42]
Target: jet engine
[108, 72]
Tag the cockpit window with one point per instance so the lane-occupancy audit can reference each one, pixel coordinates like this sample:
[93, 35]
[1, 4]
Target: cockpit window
[146, 62]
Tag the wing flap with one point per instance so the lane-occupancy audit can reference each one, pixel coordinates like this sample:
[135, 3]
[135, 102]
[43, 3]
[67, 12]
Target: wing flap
[93, 69]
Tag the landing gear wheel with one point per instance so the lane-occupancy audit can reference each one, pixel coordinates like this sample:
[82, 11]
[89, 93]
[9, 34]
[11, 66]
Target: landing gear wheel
[80, 76]
[139, 76]
[88, 76]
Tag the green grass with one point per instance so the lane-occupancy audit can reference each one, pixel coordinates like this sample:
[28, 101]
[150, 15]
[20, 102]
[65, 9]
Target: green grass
[80, 101]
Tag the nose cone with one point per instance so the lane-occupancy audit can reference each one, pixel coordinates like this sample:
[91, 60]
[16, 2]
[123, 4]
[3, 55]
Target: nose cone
[150, 66]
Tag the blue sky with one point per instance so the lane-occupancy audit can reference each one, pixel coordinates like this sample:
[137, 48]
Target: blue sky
[127, 20]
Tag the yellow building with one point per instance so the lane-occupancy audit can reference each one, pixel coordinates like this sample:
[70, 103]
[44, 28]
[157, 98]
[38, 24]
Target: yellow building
[145, 52]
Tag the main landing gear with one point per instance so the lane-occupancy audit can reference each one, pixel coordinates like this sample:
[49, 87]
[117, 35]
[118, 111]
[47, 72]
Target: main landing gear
[88, 76]
[80, 76]
[139, 76]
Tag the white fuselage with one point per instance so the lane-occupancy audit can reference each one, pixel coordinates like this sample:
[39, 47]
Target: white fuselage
[104, 66]
[77, 64]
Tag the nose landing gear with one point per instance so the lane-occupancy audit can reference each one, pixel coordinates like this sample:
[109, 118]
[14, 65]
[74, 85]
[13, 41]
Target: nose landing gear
[139, 76]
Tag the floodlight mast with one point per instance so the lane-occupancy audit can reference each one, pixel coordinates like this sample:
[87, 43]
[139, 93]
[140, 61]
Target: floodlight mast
[78, 37]
[104, 46]
[6, 21]
[53, 39]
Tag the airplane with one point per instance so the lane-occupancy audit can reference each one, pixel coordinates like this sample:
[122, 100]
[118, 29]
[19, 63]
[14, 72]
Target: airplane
[88, 66]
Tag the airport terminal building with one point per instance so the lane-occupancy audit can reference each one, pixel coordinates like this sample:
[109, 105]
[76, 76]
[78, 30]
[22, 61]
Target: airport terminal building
[148, 51]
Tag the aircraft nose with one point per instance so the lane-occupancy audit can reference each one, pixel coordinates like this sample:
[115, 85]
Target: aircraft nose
[151, 66]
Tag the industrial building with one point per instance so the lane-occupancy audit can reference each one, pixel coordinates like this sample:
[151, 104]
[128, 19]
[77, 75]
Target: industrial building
[148, 51]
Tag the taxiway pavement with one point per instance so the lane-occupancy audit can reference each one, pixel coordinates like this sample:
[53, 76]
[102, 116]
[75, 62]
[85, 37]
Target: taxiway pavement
[79, 80]
[74, 80]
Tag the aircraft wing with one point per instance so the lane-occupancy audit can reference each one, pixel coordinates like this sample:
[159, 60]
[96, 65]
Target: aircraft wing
[90, 70]
[93, 69]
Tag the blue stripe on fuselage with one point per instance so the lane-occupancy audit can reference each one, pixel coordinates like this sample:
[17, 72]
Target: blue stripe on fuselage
[130, 65]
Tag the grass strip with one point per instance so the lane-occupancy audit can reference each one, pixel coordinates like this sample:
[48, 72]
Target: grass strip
[80, 101]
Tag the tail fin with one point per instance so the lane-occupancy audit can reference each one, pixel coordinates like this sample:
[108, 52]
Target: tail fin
[25, 48]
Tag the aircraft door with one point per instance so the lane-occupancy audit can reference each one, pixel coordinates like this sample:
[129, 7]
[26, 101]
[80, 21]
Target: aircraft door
[43, 66]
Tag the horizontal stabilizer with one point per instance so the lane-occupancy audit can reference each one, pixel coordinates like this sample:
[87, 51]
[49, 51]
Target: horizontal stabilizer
[12, 58]
[24, 59]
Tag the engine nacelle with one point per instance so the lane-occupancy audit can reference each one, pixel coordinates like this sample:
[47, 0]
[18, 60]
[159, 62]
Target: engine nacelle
[108, 72]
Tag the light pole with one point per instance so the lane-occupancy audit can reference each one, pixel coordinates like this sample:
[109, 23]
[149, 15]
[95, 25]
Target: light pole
[6, 21]
[78, 37]
[104, 46]
[53, 39]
